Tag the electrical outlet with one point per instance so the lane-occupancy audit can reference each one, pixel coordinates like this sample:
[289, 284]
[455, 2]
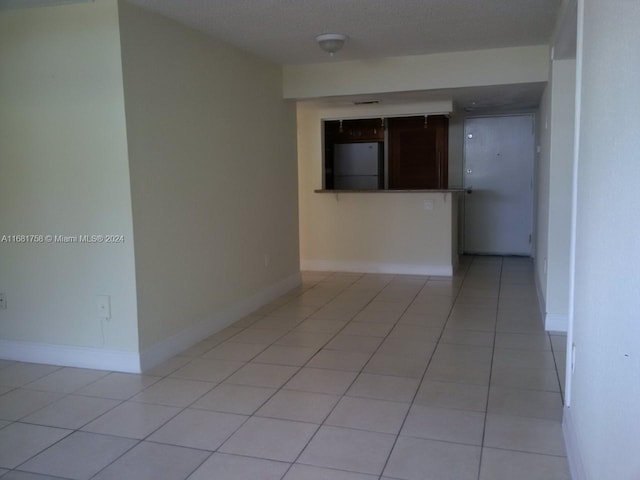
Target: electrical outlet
[428, 204]
[3, 301]
[267, 259]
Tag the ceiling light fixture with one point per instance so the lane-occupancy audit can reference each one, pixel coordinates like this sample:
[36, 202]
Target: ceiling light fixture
[331, 42]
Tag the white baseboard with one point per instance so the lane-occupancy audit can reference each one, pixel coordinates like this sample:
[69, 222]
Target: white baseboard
[71, 356]
[576, 467]
[372, 267]
[553, 322]
[188, 337]
[542, 305]
[556, 322]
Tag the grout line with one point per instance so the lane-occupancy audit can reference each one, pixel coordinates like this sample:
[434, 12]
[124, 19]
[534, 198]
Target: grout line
[493, 351]
[358, 372]
[311, 437]
[411, 403]
[555, 362]
[276, 390]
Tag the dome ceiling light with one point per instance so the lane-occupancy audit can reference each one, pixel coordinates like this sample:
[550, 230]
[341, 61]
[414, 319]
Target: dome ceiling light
[331, 42]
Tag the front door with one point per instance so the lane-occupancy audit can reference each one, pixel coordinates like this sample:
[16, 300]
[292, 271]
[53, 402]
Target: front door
[498, 176]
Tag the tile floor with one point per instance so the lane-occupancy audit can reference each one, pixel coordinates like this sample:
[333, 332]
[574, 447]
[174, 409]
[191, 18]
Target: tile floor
[350, 377]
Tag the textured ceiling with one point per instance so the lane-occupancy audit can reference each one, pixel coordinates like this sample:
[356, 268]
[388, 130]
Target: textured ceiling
[283, 31]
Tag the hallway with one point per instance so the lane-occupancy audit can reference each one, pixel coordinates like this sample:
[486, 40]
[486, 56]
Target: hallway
[350, 377]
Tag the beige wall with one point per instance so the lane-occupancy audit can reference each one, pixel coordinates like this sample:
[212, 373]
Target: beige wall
[380, 232]
[500, 66]
[64, 170]
[213, 176]
[368, 232]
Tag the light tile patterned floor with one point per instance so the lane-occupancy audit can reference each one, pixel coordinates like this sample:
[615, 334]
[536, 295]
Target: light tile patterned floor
[350, 377]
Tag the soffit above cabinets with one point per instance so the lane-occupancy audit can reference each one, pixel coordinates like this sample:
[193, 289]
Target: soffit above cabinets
[468, 101]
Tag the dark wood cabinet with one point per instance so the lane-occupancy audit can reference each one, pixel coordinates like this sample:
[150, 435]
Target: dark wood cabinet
[418, 152]
[353, 131]
[417, 149]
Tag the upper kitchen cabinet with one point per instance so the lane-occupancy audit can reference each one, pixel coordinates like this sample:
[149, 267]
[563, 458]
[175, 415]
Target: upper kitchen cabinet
[418, 152]
[415, 147]
[354, 131]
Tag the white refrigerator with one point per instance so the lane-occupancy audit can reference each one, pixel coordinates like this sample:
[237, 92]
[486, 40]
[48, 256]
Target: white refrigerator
[358, 166]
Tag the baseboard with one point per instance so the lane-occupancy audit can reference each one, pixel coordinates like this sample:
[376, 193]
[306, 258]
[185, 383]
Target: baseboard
[455, 262]
[188, 337]
[553, 322]
[71, 356]
[541, 299]
[576, 467]
[556, 322]
[372, 267]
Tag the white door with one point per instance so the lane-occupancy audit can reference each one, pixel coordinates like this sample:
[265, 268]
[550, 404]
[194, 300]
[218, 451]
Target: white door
[498, 175]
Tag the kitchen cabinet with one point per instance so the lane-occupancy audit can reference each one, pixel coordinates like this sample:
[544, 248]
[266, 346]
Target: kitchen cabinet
[418, 152]
[416, 148]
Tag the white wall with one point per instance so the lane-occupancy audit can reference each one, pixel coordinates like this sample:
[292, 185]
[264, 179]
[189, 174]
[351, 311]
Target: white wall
[543, 169]
[456, 151]
[64, 170]
[554, 192]
[560, 193]
[602, 424]
[213, 177]
[500, 66]
[368, 232]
